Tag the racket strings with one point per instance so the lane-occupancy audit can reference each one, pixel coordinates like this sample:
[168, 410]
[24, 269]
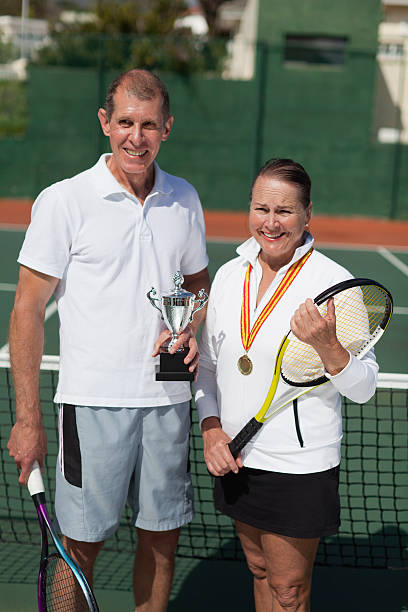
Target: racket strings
[60, 589]
[359, 312]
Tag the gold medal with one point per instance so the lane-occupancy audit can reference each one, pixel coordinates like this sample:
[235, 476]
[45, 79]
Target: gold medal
[248, 334]
[245, 365]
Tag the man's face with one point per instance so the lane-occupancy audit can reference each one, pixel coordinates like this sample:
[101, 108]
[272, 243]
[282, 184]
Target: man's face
[136, 131]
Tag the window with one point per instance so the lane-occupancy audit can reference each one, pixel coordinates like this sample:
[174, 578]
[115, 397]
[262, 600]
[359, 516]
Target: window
[315, 49]
[394, 50]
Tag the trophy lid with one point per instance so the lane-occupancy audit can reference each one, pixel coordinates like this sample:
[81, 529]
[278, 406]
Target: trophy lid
[178, 292]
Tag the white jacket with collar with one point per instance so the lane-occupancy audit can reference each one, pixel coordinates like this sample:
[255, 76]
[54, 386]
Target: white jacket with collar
[302, 441]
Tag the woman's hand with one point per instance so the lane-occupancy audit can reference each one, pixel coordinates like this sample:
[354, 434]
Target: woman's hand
[309, 326]
[216, 452]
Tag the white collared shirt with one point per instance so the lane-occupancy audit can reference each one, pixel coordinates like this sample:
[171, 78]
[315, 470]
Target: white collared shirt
[221, 390]
[108, 251]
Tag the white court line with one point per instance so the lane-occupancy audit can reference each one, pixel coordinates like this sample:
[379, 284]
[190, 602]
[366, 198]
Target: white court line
[339, 246]
[333, 246]
[393, 260]
[330, 246]
[12, 227]
[49, 311]
[400, 310]
[7, 287]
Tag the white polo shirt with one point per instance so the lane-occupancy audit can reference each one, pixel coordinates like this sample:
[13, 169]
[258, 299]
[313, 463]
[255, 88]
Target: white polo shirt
[109, 250]
[222, 391]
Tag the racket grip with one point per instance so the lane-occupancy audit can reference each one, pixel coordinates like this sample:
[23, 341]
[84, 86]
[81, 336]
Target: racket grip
[35, 482]
[243, 437]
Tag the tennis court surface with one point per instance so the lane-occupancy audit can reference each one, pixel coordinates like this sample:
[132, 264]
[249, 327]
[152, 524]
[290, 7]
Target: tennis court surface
[362, 568]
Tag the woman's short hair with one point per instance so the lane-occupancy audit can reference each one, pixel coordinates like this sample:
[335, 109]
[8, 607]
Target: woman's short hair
[288, 171]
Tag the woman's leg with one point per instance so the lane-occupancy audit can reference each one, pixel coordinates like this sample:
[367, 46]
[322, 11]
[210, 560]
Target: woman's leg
[282, 568]
[251, 543]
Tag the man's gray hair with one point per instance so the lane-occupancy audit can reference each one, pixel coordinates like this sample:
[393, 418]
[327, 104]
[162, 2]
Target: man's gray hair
[140, 83]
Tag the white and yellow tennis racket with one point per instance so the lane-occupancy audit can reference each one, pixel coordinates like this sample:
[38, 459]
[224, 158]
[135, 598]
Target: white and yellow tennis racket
[363, 310]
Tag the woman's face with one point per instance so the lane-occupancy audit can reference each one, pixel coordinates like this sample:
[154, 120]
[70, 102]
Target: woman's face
[277, 219]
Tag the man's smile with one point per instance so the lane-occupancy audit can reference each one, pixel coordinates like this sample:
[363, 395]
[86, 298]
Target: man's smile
[136, 153]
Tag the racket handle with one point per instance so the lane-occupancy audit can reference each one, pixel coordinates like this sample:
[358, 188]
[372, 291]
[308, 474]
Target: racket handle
[243, 437]
[35, 482]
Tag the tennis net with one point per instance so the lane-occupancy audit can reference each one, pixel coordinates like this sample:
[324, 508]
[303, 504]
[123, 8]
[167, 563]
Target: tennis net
[373, 483]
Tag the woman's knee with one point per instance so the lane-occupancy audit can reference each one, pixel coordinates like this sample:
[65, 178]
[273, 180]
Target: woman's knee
[257, 566]
[290, 596]
[250, 538]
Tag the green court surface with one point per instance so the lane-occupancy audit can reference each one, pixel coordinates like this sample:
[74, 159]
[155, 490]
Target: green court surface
[221, 586]
[203, 585]
[392, 351]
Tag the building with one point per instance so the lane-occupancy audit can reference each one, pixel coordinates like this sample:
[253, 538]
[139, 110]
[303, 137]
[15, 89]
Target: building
[242, 19]
[391, 108]
[194, 20]
[27, 35]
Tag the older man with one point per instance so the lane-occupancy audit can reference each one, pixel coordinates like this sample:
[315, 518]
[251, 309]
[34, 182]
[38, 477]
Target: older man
[99, 241]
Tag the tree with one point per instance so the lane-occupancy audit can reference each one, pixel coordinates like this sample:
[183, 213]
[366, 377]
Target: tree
[13, 108]
[38, 8]
[137, 17]
[8, 51]
[210, 10]
[128, 34]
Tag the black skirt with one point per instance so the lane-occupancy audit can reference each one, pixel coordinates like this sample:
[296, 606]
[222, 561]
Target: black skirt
[294, 505]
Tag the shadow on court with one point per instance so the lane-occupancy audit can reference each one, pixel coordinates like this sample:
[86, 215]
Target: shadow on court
[213, 585]
[227, 585]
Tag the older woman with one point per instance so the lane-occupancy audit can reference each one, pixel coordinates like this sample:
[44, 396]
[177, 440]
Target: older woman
[282, 491]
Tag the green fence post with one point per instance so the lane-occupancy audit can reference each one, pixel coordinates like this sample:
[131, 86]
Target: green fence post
[262, 50]
[396, 173]
[395, 179]
[100, 141]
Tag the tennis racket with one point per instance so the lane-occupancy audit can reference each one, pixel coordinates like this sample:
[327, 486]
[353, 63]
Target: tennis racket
[363, 310]
[62, 587]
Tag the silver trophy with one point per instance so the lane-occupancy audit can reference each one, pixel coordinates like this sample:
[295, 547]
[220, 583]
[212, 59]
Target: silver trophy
[177, 309]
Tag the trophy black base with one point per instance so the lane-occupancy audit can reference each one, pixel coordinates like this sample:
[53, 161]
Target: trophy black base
[172, 367]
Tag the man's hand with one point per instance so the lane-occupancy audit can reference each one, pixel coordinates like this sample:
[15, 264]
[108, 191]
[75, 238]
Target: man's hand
[27, 443]
[192, 283]
[216, 452]
[186, 339]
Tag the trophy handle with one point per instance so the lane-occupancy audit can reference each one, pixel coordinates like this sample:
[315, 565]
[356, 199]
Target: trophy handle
[201, 299]
[152, 299]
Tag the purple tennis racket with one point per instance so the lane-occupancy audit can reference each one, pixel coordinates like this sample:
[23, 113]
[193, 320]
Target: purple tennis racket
[62, 586]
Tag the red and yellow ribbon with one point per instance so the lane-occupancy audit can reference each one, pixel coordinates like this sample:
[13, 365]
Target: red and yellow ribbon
[247, 334]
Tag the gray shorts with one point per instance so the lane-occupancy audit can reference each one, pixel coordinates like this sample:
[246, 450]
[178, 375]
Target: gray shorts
[108, 456]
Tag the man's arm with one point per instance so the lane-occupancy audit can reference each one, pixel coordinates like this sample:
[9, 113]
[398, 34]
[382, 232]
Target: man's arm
[27, 439]
[192, 283]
